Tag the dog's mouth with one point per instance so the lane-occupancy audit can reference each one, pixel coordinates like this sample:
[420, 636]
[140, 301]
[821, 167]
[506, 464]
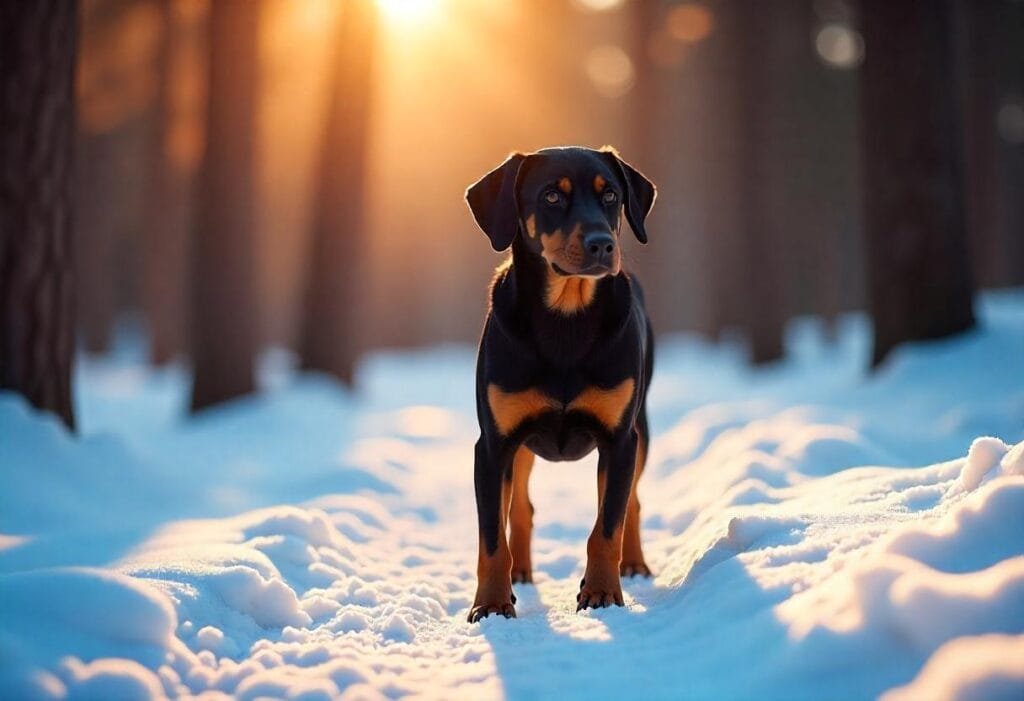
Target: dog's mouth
[596, 270]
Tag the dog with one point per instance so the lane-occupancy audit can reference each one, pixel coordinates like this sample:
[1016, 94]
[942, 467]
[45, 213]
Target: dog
[564, 362]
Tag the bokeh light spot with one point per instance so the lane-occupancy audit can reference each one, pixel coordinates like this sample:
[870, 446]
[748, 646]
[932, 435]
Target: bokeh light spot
[839, 45]
[610, 71]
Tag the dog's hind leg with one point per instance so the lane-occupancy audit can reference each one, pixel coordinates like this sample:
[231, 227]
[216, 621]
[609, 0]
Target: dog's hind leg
[521, 516]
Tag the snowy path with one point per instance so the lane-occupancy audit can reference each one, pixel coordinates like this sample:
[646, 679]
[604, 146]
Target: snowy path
[784, 568]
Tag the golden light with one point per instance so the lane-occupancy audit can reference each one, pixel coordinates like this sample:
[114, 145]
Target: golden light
[690, 23]
[408, 13]
[312, 15]
[664, 51]
[598, 5]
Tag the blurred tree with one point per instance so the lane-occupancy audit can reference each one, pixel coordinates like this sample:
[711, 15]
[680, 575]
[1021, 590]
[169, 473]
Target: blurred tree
[165, 213]
[95, 182]
[224, 333]
[919, 282]
[111, 96]
[980, 47]
[758, 46]
[329, 339]
[1010, 123]
[37, 68]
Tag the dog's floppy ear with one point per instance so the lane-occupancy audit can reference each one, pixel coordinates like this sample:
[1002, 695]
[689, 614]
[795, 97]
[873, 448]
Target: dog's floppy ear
[640, 194]
[492, 199]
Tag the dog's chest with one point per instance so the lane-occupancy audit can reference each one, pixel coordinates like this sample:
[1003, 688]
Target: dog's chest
[605, 404]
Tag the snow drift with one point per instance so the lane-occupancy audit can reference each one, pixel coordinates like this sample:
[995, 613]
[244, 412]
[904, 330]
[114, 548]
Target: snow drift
[813, 533]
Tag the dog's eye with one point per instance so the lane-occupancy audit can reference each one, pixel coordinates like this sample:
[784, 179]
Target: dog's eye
[552, 197]
[609, 197]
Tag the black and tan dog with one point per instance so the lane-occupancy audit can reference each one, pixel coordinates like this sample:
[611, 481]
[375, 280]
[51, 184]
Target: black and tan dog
[564, 362]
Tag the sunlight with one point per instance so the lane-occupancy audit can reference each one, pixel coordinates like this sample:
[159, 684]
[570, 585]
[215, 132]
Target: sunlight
[599, 5]
[408, 13]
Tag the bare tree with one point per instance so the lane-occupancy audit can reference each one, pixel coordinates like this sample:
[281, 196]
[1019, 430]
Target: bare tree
[165, 222]
[37, 64]
[761, 233]
[328, 337]
[919, 282]
[223, 304]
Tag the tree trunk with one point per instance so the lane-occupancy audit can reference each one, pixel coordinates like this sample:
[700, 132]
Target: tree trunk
[165, 214]
[329, 341]
[224, 331]
[980, 58]
[919, 283]
[96, 183]
[763, 313]
[37, 68]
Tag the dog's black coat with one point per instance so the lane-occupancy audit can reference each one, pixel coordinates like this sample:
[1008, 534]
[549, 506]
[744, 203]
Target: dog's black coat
[529, 347]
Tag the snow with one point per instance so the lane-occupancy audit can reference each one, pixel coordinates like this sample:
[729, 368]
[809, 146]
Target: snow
[814, 532]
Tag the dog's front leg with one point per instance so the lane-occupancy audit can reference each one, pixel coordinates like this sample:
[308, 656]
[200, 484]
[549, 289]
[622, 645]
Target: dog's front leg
[600, 586]
[494, 564]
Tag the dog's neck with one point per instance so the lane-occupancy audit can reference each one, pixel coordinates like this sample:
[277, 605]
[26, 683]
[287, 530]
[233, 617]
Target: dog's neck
[537, 283]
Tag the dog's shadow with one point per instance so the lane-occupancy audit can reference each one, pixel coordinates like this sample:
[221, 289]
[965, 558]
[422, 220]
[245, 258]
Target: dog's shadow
[665, 643]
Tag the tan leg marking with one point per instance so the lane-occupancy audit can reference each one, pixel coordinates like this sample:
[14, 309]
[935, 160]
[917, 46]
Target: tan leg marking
[521, 517]
[601, 586]
[494, 573]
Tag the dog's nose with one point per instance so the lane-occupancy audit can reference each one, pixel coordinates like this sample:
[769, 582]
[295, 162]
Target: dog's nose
[599, 246]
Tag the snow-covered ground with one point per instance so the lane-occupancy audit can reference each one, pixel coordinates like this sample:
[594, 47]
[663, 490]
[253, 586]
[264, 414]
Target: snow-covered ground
[815, 534]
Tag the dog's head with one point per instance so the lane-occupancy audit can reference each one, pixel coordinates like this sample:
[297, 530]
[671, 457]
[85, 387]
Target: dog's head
[566, 204]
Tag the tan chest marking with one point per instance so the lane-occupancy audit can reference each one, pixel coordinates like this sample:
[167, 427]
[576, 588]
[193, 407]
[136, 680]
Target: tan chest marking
[606, 405]
[568, 295]
[510, 409]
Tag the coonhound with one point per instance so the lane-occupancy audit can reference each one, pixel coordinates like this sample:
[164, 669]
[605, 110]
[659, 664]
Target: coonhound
[564, 361]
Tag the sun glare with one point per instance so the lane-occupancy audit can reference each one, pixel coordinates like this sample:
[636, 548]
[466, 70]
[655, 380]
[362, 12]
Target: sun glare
[407, 12]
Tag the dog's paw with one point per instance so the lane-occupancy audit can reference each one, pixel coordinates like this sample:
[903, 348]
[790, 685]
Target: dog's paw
[634, 569]
[522, 576]
[508, 610]
[596, 597]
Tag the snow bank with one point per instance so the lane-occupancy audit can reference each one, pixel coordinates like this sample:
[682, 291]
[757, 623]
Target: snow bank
[981, 667]
[810, 530]
[47, 614]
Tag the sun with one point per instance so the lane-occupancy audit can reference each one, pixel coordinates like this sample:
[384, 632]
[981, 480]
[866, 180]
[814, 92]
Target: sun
[408, 12]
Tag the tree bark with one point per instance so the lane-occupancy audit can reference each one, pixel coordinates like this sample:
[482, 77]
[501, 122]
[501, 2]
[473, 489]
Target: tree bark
[329, 341]
[919, 282]
[96, 227]
[223, 309]
[763, 313]
[164, 251]
[980, 58]
[37, 67]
